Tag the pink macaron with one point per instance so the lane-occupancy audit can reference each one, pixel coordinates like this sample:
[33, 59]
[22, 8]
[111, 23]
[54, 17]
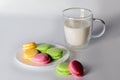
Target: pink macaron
[76, 68]
[41, 59]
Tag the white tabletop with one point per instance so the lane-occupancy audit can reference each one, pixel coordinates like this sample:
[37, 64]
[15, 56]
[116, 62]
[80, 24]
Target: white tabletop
[100, 58]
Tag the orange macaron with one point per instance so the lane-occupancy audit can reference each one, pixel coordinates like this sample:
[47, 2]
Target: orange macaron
[30, 45]
[29, 54]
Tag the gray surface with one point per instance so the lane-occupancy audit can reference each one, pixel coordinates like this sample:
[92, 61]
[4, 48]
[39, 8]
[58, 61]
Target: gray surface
[20, 23]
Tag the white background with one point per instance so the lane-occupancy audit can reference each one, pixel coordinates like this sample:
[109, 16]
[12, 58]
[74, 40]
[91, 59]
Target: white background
[22, 21]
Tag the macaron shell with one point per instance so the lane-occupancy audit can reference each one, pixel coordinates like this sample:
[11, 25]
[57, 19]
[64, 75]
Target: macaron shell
[46, 62]
[43, 62]
[55, 53]
[63, 72]
[28, 54]
[62, 69]
[41, 59]
[30, 45]
[63, 66]
[43, 47]
[56, 57]
[76, 68]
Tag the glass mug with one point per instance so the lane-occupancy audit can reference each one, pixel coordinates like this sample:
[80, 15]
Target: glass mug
[78, 27]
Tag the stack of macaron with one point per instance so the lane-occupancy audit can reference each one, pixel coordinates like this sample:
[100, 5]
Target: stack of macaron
[73, 67]
[41, 54]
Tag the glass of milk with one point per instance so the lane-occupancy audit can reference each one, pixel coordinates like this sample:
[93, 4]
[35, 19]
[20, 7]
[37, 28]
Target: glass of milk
[78, 27]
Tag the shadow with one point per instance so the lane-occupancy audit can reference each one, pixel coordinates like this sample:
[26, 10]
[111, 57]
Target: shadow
[112, 30]
[72, 55]
[109, 13]
[87, 69]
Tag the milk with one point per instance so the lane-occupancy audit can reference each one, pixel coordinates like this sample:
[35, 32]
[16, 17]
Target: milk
[77, 32]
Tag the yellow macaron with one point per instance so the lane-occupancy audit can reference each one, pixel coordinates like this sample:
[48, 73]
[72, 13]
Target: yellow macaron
[30, 53]
[30, 45]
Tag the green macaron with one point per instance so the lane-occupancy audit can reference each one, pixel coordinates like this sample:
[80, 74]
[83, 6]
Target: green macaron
[62, 69]
[55, 53]
[43, 47]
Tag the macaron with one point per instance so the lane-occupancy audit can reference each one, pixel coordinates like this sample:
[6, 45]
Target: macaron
[41, 59]
[28, 54]
[43, 47]
[30, 45]
[55, 53]
[76, 68]
[62, 68]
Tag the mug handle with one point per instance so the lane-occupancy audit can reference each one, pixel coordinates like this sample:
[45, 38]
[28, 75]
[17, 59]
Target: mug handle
[104, 28]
